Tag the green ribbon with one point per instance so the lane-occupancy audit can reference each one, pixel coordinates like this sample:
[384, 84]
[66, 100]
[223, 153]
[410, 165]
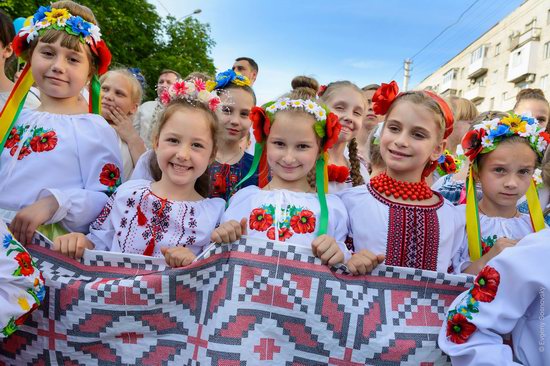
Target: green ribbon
[319, 178]
[258, 151]
[95, 88]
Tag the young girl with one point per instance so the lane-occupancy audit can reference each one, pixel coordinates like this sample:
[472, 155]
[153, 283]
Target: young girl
[345, 100]
[232, 162]
[508, 296]
[7, 32]
[533, 102]
[57, 165]
[168, 217]
[504, 153]
[295, 132]
[120, 98]
[397, 217]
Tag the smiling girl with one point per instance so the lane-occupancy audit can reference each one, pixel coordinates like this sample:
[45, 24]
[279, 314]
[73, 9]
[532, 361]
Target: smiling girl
[169, 217]
[57, 165]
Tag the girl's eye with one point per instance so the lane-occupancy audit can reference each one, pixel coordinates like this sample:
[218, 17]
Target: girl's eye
[358, 114]
[419, 135]
[500, 170]
[393, 128]
[245, 114]
[226, 110]
[74, 60]
[47, 53]
[278, 143]
[172, 140]
[303, 146]
[198, 145]
[104, 89]
[525, 172]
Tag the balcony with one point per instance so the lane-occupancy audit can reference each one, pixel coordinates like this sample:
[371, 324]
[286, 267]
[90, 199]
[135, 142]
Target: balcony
[518, 40]
[522, 62]
[448, 85]
[477, 68]
[475, 94]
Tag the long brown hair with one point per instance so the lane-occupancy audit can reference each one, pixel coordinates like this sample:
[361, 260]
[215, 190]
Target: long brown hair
[202, 184]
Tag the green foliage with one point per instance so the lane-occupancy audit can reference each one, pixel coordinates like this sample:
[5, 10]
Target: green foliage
[138, 37]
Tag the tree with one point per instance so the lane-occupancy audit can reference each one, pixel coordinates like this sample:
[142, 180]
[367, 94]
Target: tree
[138, 37]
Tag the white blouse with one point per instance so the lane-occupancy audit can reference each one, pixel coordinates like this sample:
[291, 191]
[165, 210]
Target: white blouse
[425, 237]
[75, 158]
[134, 217]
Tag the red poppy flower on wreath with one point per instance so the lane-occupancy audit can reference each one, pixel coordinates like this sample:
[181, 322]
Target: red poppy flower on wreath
[449, 165]
[25, 263]
[332, 128]
[546, 136]
[284, 233]
[44, 142]
[459, 329]
[384, 97]
[321, 90]
[13, 139]
[260, 123]
[104, 57]
[486, 284]
[260, 220]
[19, 44]
[303, 223]
[110, 174]
[471, 143]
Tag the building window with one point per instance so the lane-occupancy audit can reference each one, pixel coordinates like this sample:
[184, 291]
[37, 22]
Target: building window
[449, 76]
[497, 49]
[478, 54]
[492, 103]
[504, 96]
[543, 82]
[548, 17]
[516, 59]
[494, 77]
[546, 50]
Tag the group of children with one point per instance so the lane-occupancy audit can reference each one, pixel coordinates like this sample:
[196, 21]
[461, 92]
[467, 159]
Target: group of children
[87, 182]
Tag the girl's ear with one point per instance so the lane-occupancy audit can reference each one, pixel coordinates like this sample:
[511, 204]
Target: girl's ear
[134, 109]
[439, 149]
[7, 51]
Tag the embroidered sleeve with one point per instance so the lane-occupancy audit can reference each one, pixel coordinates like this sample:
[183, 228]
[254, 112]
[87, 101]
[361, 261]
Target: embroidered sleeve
[22, 283]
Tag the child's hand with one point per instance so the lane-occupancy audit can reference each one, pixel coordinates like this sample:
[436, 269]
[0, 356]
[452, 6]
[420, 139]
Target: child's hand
[72, 245]
[28, 219]
[122, 123]
[177, 256]
[326, 248]
[364, 262]
[498, 247]
[229, 231]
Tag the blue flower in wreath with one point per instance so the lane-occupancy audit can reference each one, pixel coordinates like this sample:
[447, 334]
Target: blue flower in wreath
[225, 78]
[529, 120]
[7, 241]
[41, 13]
[441, 159]
[501, 130]
[79, 26]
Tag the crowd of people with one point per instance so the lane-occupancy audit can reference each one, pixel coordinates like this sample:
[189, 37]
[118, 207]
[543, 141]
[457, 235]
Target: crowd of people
[363, 176]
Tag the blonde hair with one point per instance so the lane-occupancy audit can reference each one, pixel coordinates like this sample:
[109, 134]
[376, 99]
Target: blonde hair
[198, 75]
[136, 92]
[463, 109]
[373, 150]
[354, 162]
[202, 185]
[67, 40]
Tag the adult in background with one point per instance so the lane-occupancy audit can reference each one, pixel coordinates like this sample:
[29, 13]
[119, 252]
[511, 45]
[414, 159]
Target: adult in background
[247, 67]
[148, 112]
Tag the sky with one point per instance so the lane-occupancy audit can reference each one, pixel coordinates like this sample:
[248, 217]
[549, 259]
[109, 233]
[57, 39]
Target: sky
[363, 41]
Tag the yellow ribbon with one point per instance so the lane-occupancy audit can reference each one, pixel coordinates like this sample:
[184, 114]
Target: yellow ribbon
[535, 209]
[472, 219]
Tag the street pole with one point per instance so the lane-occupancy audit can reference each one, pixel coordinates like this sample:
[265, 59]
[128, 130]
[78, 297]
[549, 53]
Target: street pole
[407, 76]
[196, 11]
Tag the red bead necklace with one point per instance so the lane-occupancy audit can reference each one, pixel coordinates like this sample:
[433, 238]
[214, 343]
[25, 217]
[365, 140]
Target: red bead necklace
[386, 185]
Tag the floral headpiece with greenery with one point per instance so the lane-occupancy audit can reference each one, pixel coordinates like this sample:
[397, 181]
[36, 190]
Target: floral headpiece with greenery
[225, 78]
[193, 91]
[61, 19]
[486, 136]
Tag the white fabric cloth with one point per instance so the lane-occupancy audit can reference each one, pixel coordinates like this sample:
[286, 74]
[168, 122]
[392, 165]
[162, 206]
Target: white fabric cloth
[127, 162]
[32, 102]
[171, 223]
[147, 115]
[142, 169]
[435, 233]
[518, 307]
[67, 156]
[493, 228]
[283, 215]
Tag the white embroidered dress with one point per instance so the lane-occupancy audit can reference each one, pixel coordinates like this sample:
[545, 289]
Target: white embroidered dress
[283, 215]
[135, 217]
[424, 237]
[510, 295]
[75, 158]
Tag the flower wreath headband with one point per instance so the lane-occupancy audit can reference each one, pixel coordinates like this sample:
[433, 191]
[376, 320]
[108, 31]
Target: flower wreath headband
[226, 78]
[484, 138]
[44, 19]
[326, 126]
[384, 97]
[194, 91]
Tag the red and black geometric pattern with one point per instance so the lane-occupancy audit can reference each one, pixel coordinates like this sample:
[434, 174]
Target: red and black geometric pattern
[249, 303]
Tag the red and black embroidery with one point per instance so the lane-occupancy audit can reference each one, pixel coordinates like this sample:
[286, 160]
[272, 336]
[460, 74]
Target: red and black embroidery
[413, 234]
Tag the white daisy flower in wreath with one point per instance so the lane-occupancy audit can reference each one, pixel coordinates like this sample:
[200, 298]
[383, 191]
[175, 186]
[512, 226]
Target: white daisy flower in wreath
[486, 142]
[297, 103]
[310, 106]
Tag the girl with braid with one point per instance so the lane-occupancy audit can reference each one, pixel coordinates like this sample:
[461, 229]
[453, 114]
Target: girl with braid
[347, 102]
[293, 134]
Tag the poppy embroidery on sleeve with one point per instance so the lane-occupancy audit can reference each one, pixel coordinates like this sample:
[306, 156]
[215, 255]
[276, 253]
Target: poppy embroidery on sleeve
[40, 140]
[110, 177]
[459, 327]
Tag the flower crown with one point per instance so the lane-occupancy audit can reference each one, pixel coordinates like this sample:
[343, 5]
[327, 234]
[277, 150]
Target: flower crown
[225, 78]
[486, 136]
[193, 91]
[61, 19]
[448, 164]
[326, 126]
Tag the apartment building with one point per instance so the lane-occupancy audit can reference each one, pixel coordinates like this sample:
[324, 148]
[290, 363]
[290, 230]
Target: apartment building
[513, 55]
